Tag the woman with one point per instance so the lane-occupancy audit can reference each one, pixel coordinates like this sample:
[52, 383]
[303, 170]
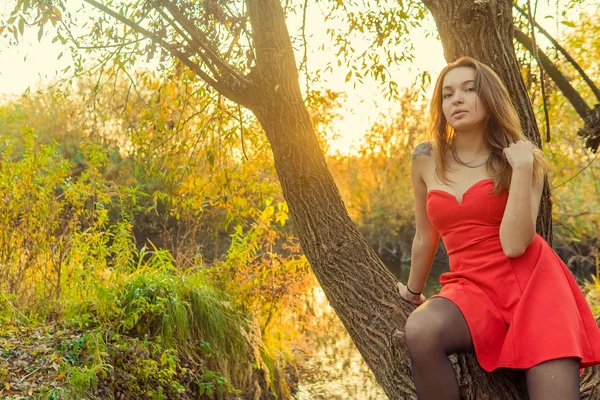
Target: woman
[508, 297]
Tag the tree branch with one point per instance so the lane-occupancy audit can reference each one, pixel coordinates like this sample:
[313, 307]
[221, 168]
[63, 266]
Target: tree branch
[564, 52]
[304, 63]
[219, 86]
[190, 40]
[199, 40]
[107, 46]
[537, 59]
[577, 173]
[563, 84]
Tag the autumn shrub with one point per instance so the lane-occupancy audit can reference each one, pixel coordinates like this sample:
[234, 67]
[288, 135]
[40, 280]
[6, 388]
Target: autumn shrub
[88, 268]
[167, 310]
[592, 290]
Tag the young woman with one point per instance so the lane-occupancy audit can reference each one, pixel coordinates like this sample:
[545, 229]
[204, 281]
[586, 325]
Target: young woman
[508, 297]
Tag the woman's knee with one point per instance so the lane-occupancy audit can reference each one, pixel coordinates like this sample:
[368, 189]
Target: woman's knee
[554, 379]
[423, 335]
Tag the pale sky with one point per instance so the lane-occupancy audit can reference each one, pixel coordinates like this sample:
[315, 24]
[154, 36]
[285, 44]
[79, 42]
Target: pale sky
[32, 63]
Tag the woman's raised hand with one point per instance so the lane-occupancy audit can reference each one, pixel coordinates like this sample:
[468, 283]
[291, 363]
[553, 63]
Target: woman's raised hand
[406, 295]
[519, 154]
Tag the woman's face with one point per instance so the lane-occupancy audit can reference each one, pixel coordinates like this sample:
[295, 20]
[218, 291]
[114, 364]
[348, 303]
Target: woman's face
[461, 105]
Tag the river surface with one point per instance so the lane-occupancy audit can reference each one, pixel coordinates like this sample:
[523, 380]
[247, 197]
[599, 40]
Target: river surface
[336, 370]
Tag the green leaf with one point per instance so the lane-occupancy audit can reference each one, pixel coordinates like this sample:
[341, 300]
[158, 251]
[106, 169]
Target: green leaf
[281, 218]
[21, 26]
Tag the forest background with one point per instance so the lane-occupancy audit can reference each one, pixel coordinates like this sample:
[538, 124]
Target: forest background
[145, 247]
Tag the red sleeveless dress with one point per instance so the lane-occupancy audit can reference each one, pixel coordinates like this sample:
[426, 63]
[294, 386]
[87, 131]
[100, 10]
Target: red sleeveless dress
[520, 311]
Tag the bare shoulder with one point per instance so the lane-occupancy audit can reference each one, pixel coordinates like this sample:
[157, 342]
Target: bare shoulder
[423, 149]
[423, 163]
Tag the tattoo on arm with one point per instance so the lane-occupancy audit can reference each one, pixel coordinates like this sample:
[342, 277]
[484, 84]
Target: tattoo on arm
[422, 149]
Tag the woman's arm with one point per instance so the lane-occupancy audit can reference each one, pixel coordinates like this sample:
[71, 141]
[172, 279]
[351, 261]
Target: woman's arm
[426, 236]
[517, 229]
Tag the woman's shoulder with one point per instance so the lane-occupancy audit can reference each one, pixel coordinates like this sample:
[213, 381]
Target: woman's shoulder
[424, 154]
[424, 161]
[423, 150]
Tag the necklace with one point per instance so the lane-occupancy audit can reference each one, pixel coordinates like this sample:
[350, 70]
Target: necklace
[457, 158]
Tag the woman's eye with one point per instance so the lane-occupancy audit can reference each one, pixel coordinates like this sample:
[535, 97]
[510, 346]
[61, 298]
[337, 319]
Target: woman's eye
[469, 89]
[446, 95]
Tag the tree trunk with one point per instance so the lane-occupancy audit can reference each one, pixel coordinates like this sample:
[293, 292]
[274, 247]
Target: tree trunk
[358, 286]
[591, 129]
[483, 30]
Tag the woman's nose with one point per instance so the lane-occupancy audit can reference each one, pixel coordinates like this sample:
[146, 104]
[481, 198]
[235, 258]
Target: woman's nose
[457, 99]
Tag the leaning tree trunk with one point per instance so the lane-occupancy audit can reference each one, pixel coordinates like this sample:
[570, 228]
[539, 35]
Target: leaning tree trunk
[484, 30]
[358, 286]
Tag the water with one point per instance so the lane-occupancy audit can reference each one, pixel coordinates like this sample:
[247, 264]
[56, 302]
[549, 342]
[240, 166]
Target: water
[336, 369]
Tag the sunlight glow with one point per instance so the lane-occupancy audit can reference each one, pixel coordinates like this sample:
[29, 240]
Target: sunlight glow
[33, 64]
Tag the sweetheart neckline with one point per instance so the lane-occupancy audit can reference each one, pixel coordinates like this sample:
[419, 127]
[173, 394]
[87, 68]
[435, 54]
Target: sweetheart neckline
[462, 198]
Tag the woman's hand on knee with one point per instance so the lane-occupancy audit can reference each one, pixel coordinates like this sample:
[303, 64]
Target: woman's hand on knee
[406, 295]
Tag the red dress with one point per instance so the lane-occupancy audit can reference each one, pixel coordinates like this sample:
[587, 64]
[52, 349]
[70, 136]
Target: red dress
[520, 311]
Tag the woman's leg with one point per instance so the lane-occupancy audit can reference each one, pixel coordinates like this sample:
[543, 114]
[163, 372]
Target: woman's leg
[433, 331]
[554, 380]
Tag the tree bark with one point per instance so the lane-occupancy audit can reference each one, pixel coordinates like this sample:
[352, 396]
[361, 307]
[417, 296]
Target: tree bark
[591, 129]
[484, 30]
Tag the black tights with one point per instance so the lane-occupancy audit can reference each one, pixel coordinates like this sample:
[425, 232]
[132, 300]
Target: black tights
[437, 328]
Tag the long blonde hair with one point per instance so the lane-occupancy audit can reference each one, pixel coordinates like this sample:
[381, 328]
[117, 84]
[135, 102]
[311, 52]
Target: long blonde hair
[503, 125]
